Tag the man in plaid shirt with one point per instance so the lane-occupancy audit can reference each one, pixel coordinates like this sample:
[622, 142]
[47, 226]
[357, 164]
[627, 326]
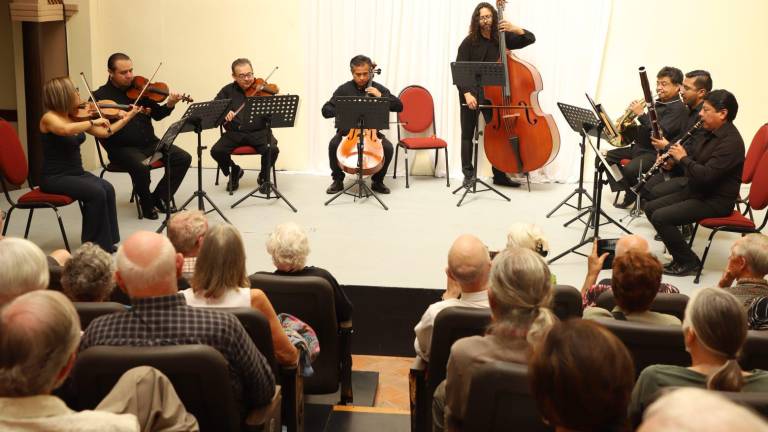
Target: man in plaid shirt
[147, 268]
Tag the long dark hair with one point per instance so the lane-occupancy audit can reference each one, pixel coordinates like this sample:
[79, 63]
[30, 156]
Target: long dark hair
[474, 25]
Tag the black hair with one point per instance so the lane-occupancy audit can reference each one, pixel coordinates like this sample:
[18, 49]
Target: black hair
[723, 100]
[703, 80]
[674, 74]
[474, 25]
[241, 62]
[114, 59]
[360, 60]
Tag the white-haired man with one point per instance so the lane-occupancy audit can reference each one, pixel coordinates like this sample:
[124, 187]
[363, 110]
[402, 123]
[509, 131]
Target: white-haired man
[186, 230]
[23, 268]
[39, 335]
[591, 289]
[467, 273]
[747, 266]
[147, 269]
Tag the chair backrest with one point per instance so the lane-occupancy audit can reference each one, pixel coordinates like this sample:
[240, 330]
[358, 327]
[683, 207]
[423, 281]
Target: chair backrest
[89, 311]
[757, 401]
[754, 353]
[755, 153]
[418, 109]
[199, 374]
[13, 163]
[566, 302]
[650, 344]
[309, 298]
[499, 397]
[670, 304]
[758, 192]
[257, 327]
[452, 324]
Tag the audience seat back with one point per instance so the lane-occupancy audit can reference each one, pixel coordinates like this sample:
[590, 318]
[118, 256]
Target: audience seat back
[754, 353]
[257, 327]
[500, 400]
[666, 303]
[650, 344]
[756, 401]
[566, 302]
[89, 311]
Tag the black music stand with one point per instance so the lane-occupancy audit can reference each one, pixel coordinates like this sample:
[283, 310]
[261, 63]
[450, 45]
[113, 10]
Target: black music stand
[361, 112]
[162, 149]
[595, 211]
[276, 112]
[199, 117]
[477, 75]
[580, 120]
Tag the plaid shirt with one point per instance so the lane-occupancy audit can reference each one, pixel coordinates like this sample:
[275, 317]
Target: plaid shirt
[163, 321]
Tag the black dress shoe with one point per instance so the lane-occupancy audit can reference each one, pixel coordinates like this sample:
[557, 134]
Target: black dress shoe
[669, 265]
[505, 181]
[627, 203]
[263, 188]
[467, 181]
[235, 174]
[335, 187]
[682, 269]
[380, 187]
[150, 214]
[162, 207]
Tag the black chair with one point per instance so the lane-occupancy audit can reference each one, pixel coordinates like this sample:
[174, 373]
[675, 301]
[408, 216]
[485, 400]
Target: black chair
[199, 373]
[650, 344]
[450, 325]
[756, 401]
[754, 353]
[310, 298]
[500, 399]
[89, 311]
[670, 304]
[566, 302]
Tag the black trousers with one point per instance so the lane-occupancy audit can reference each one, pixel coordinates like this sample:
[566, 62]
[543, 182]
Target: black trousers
[657, 186]
[468, 118]
[640, 162]
[679, 208]
[131, 159]
[333, 161]
[222, 150]
[98, 198]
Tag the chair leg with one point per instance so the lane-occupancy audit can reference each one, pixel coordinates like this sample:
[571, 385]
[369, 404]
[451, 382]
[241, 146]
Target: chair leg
[437, 156]
[407, 184]
[693, 235]
[61, 227]
[704, 257]
[394, 171]
[447, 172]
[29, 222]
[135, 198]
[217, 175]
[274, 175]
[616, 197]
[8, 219]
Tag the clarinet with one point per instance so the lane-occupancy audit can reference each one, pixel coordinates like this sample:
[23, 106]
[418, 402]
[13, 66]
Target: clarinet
[663, 159]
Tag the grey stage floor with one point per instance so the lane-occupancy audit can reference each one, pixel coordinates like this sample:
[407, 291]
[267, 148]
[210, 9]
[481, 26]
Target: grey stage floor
[362, 244]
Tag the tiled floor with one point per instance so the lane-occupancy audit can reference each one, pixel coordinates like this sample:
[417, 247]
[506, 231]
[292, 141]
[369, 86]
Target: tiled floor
[393, 379]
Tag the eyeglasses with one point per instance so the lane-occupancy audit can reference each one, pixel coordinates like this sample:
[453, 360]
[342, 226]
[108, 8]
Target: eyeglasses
[486, 18]
[245, 76]
[664, 83]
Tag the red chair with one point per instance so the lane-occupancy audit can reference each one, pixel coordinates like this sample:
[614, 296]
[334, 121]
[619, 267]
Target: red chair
[14, 170]
[737, 222]
[417, 116]
[244, 150]
[755, 152]
[115, 168]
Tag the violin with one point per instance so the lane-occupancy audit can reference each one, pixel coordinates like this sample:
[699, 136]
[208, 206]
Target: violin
[109, 110]
[261, 87]
[155, 91]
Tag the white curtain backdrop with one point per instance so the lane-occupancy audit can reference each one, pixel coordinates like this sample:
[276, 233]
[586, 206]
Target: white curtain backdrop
[414, 42]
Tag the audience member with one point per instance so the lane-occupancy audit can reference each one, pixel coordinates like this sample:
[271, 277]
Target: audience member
[696, 410]
[591, 289]
[39, 335]
[23, 268]
[747, 266]
[289, 247]
[528, 236]
[635, 282]
[520, 294]
[220, 280]
[186, 231]
[757, 314]
[147, 268]
[89, 275]
[582, 386]
[467, 285]
[715, 328]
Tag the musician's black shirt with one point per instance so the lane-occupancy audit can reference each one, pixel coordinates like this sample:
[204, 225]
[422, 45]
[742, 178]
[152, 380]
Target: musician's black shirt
[714, 164]
[236, 95]
[138, 132]
[349, 88]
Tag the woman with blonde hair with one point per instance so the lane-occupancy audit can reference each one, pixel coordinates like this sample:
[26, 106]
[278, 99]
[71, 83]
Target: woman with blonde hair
[63, 172]
[220, 280]
[714, 328]
[520, 296]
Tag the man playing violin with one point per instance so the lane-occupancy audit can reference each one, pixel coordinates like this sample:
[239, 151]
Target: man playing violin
[360, 85]
[237, 135]
[482, 45]
[135, 142]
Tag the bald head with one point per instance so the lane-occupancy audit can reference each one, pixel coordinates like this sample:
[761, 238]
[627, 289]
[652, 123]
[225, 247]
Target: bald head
[633, 243]
[469, 263]
[148, 265]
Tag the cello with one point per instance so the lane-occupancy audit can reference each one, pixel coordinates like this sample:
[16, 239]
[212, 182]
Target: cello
[520, 138]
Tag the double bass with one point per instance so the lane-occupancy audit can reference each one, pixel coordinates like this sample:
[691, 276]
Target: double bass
[520, 138]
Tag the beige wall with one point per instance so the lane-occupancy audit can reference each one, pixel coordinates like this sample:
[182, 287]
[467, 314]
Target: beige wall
[7, 80]
[729, 39]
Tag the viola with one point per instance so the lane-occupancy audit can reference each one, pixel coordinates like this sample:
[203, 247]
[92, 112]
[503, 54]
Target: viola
[519, 141]
[141, 87]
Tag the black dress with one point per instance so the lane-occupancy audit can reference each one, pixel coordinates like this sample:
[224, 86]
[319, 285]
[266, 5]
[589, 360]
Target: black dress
[63, 174]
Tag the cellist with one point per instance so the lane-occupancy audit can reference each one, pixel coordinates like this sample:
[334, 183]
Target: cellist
[482, 45]
[361, 68]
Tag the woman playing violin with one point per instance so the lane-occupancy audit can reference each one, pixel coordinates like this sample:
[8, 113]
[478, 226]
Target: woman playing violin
[237, 134]
[63, 171]
[130, 147]
[360, 85]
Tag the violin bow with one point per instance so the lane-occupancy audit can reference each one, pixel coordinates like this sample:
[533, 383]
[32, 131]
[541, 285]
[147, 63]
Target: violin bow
[90, 95]
[148, 82]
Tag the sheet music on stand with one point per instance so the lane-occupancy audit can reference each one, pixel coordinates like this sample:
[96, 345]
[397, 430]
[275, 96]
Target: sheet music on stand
[210, 114]
[350, 109]
[165, 142]
[580, 119]
[608, 124]
[279, 110]
[612, 170]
